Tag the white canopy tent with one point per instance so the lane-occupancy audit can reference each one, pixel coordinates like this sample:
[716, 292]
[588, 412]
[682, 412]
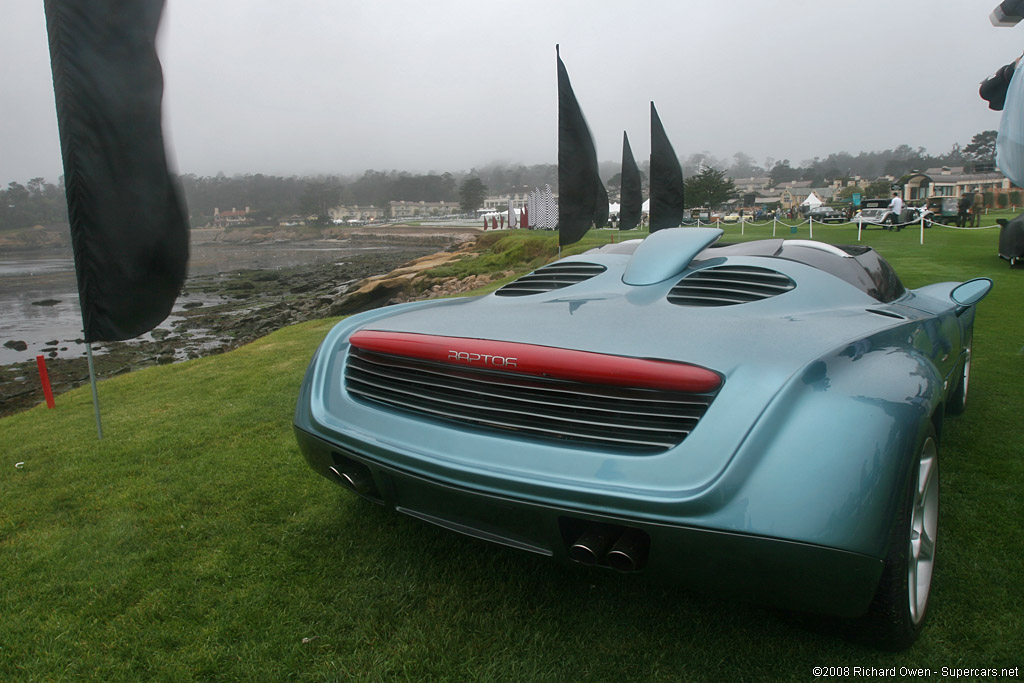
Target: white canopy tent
[812, 201]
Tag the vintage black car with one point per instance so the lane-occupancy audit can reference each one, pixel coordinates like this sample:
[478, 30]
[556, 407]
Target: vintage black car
[827, 214]
[943, 209]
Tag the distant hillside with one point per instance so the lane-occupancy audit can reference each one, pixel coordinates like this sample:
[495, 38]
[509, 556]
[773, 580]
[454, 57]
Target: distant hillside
[37, 237]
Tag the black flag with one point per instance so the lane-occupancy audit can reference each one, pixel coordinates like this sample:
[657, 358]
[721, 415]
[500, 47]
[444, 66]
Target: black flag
[580, 189]
[601, 210]
[666, 179]
[632, 200]
[129, 227]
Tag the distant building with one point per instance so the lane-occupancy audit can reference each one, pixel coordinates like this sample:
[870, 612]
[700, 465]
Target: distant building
[421, 209]
[355, 214]
[792, 194]
[752, 185]
[223, 219]
[767, 198]
[840, 183]
[500, 202]
[954, 181]
[797, 185]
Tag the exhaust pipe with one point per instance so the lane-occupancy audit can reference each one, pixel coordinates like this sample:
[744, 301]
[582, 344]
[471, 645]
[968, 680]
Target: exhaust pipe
[356, 479]
[591, 546]
[629, 552]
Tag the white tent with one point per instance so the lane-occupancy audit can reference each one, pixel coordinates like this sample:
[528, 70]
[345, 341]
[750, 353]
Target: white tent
[812, 201]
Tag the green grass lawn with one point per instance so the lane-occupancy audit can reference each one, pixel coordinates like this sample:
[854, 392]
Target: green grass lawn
[193, 542]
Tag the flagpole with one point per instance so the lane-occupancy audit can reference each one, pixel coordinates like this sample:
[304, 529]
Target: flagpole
[131, 248]
[95, 396]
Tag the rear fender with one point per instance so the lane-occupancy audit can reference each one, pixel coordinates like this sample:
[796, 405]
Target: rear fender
[828, 460]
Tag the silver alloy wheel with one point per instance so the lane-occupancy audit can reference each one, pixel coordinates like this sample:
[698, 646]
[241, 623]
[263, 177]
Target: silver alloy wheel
[923, 530]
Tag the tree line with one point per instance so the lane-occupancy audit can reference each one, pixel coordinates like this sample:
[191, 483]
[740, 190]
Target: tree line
[273, 197]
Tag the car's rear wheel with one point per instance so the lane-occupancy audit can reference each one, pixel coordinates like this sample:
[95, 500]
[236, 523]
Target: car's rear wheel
[957, 402]
[900, 606]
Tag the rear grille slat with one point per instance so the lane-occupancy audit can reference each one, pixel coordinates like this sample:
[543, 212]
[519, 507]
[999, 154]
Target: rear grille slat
[512, 388]
[551, 410]
[485, 414]
[729, 285]
[551, 277]
[621, 418]
[632, 441]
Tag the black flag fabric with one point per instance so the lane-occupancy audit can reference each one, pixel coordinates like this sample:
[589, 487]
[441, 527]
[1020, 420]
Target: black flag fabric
[129, 227]
[666, 179]
[601, 210]
[579, 185]
[632, 201]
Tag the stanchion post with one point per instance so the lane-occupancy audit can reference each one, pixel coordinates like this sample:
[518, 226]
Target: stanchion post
[922, 229]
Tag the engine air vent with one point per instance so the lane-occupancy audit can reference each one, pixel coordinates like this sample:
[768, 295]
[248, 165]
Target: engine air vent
[551, 277]
[729, 285]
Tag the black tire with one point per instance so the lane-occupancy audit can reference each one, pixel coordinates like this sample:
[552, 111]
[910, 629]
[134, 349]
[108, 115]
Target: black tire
[957, 402]
[900, 607]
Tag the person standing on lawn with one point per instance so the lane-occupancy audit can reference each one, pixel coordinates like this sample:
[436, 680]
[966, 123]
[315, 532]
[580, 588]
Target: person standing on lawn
[963, 208]
[896, 206]
[977, 207]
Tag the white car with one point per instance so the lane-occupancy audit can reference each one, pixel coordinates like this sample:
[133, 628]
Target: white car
[875, 213]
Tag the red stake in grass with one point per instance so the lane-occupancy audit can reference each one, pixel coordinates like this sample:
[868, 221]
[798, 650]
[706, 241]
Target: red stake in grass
[44, 377]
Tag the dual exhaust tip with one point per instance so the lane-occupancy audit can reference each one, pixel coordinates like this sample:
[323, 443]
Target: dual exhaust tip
[623, 549]
[356, 477]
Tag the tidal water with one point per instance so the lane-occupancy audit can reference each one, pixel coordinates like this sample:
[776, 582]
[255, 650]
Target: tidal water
[39, 294]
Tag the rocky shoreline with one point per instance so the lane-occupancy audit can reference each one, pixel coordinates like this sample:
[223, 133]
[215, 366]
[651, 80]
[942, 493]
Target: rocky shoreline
[250, 304]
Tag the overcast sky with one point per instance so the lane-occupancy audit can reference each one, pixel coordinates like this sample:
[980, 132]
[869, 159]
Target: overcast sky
[340, 86]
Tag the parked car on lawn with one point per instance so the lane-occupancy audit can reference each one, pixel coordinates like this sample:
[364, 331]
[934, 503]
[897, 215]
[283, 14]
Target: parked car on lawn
[827, 214]
[875, 213]
[701, 213]
[760, 419]
[943, 209]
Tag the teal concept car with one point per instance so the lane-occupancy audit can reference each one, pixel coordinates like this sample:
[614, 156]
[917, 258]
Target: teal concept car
[759, 419]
